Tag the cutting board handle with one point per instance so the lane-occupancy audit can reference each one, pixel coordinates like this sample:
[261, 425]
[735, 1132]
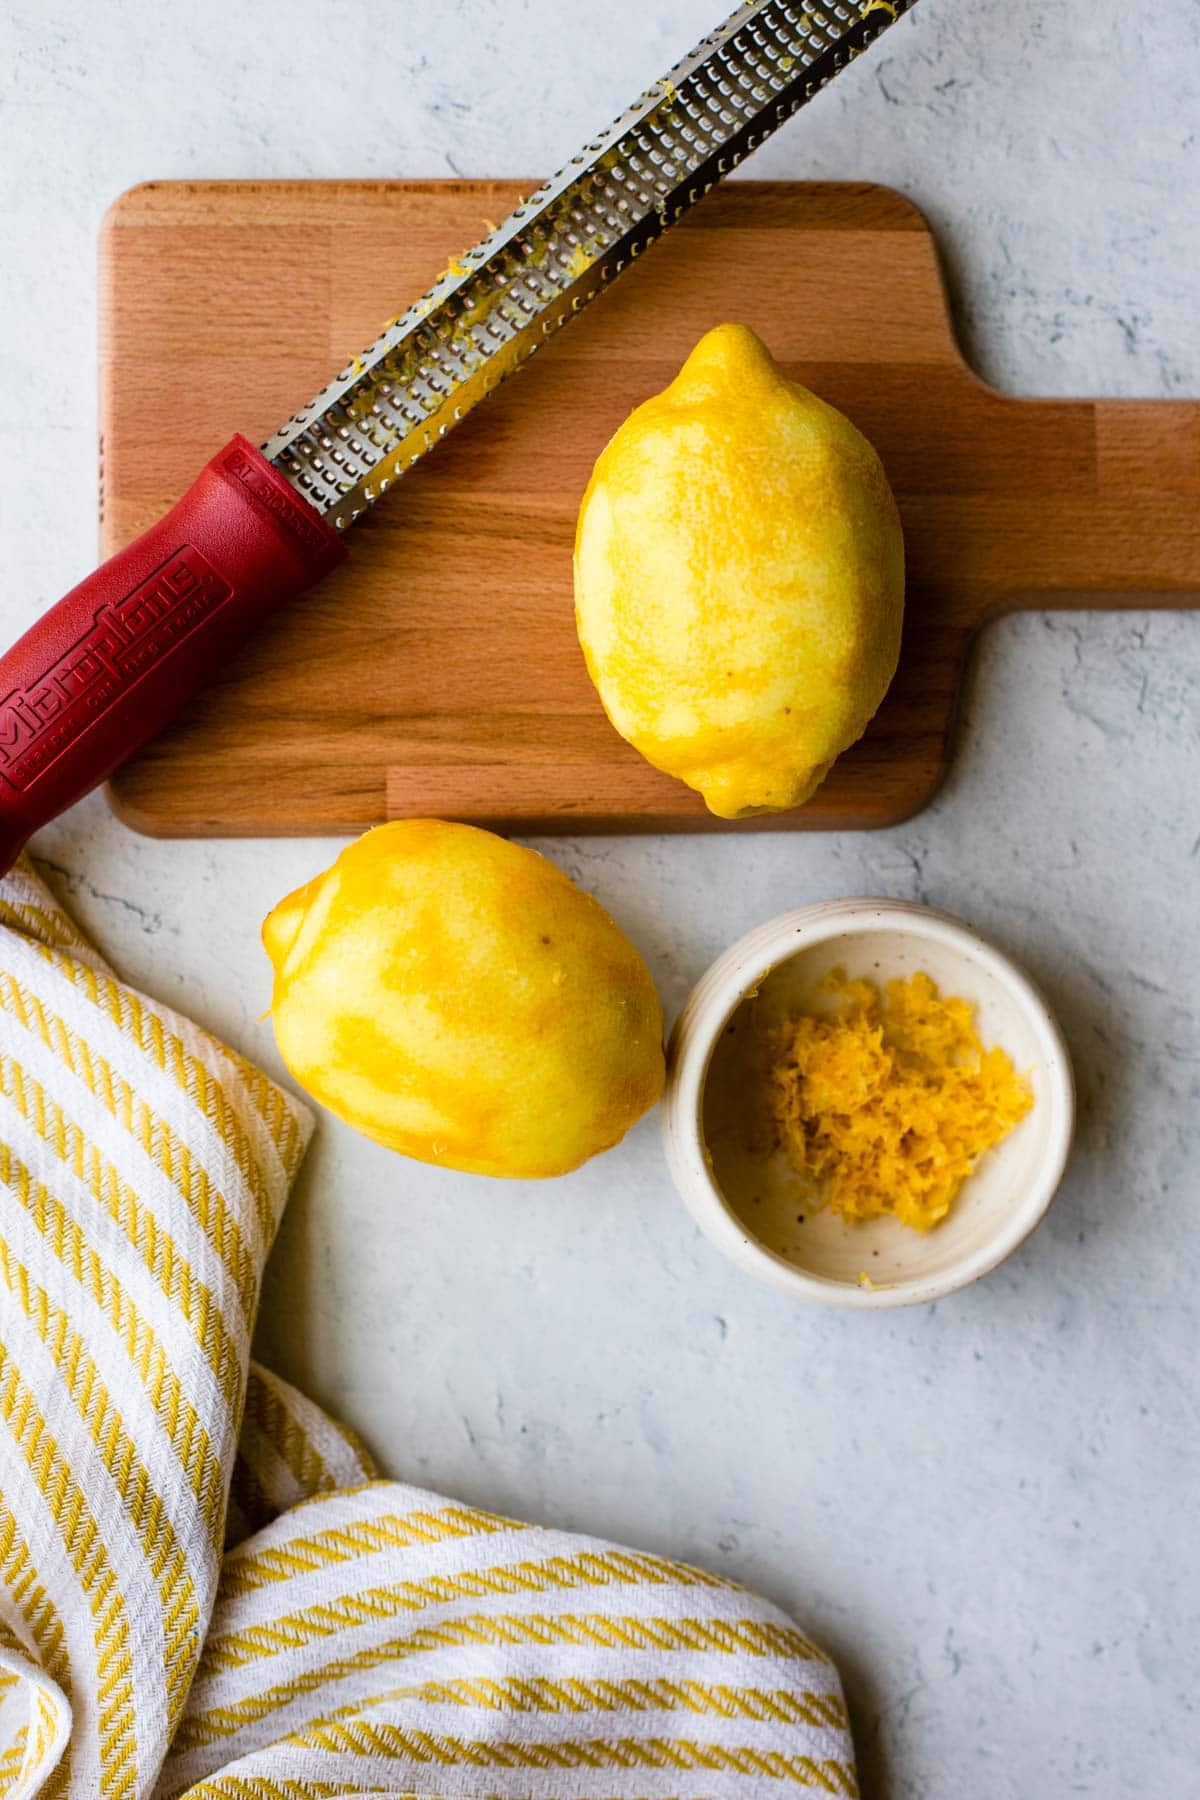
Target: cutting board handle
[1148, 446]
[101, 672]
[1131, 536]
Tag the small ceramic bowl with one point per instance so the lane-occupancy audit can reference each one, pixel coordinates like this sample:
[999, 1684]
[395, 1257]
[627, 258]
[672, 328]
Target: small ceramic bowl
[746, 1198]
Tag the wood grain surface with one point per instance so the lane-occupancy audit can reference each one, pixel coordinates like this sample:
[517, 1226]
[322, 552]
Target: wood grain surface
[438, 672]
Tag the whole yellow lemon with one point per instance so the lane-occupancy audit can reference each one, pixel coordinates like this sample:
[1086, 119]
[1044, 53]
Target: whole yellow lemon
[459, 999]
[739, 579]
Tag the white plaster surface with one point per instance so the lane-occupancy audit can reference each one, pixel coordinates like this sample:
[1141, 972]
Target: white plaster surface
[986, 1509]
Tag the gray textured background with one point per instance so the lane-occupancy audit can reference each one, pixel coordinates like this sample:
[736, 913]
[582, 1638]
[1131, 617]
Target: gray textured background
[986, 1509]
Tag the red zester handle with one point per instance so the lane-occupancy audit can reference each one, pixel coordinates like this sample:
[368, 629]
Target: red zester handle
[101, 672]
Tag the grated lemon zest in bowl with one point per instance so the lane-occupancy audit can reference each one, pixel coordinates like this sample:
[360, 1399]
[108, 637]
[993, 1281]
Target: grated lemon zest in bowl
[888, 1102]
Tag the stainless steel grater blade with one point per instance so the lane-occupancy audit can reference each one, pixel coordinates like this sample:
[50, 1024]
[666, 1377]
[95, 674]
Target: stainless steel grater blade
[492, 309]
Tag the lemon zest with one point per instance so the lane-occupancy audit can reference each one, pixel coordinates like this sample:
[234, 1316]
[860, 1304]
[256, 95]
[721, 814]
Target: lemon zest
[888, 1102]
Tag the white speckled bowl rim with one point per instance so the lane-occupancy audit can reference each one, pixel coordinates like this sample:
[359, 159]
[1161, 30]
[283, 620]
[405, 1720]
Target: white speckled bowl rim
[704, 1016]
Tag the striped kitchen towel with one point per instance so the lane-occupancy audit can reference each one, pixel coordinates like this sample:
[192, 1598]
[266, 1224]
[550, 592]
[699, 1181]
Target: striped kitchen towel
[204, 1587]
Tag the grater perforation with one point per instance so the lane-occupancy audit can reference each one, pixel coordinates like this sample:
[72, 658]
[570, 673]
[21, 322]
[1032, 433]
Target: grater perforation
[495, 306]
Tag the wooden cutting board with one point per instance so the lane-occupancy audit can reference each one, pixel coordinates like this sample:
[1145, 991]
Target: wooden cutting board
[438, 671]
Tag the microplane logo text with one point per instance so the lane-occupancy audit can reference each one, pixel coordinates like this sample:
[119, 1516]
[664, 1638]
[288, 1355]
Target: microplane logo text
[126, 637]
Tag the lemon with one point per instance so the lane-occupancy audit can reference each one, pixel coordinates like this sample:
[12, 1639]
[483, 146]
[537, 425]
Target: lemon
[739, 580]
[459, 999]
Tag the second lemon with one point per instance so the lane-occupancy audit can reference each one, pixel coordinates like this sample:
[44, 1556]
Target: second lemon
[739, 579]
